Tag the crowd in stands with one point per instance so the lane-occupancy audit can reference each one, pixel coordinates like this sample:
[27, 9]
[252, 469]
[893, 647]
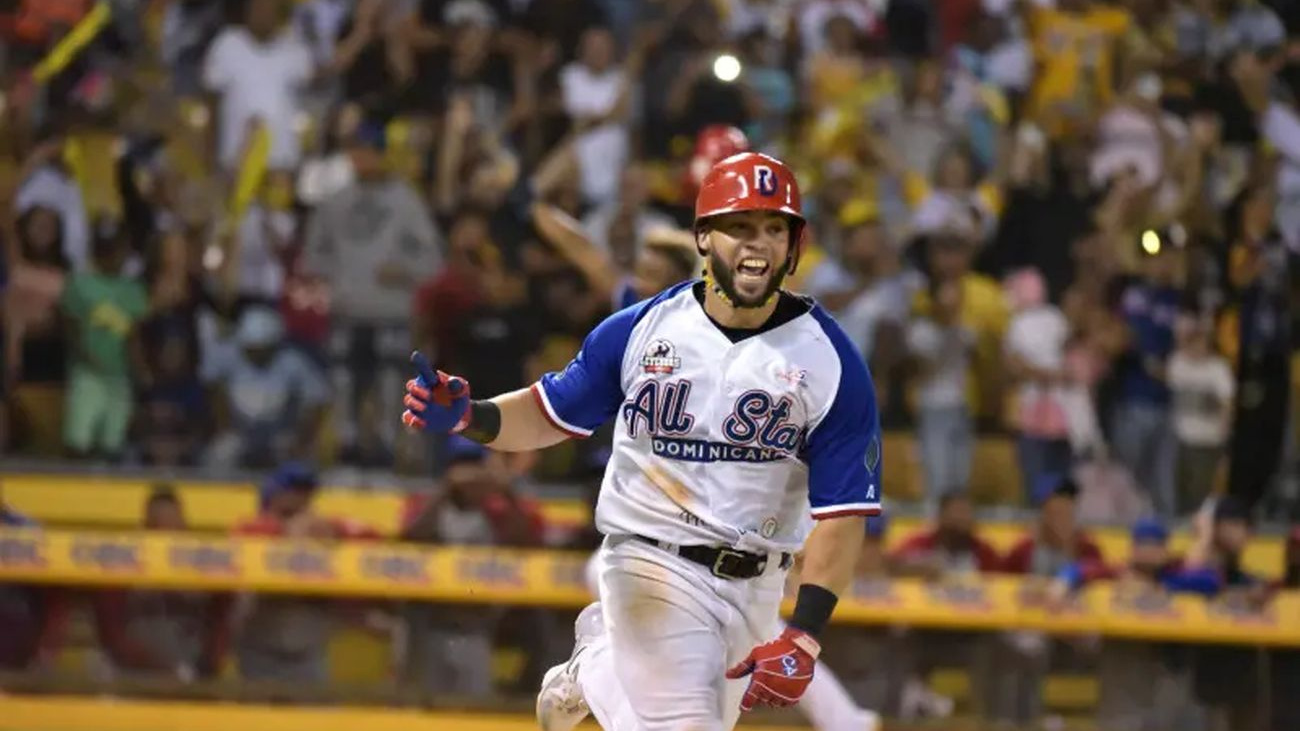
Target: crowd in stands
[1069, 223]
[1072, 223]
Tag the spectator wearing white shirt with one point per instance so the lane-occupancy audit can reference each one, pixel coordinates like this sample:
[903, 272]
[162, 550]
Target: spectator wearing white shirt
[1035, 352]
[257, 70]
[956, 200]
[595, 93]
[942, 348]
[48, 185]
[1203, 386]
[1136, 138]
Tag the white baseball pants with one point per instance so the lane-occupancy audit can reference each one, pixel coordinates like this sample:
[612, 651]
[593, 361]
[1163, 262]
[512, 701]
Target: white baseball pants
[671, 630]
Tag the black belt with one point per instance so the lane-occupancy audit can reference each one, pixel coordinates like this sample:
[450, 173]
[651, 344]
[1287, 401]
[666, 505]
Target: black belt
[722, 562]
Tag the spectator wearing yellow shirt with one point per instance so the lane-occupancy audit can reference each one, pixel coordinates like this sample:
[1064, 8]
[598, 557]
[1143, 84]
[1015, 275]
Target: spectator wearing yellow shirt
[1075, 47]
[850, 89]
[842, 73]
[983, 311]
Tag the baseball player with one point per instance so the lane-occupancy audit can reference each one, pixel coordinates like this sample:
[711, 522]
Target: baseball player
[747, 431]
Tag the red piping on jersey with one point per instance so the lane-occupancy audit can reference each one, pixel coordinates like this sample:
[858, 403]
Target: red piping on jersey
[536, 388]
[844, 513]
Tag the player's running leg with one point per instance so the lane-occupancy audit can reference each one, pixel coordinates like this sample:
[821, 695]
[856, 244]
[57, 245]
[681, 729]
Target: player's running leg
[664, 621]
[561, 703]
[585, 684]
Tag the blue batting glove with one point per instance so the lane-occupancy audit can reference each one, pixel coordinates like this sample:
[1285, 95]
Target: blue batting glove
[435, 402]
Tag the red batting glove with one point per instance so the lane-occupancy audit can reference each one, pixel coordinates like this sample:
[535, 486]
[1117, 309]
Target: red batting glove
[435, 401]
[779, 671]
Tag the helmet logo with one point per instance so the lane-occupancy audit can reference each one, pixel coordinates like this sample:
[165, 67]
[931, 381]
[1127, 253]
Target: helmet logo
[764, 180]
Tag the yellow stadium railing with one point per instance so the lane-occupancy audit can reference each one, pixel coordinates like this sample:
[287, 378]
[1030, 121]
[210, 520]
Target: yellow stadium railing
[117, 503]
[555, 579]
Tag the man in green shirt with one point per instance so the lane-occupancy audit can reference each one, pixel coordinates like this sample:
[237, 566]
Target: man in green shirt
[103, 307]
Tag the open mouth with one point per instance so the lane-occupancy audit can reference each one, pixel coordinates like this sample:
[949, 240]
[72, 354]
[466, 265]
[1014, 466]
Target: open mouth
[752, 267]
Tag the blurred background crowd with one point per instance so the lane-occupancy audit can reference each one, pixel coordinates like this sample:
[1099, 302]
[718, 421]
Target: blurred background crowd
[1063, 233]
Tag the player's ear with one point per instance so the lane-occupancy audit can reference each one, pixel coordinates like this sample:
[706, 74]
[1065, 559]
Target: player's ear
[702, 240]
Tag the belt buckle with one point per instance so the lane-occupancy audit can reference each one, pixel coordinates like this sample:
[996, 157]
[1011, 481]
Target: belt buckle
[720, 568]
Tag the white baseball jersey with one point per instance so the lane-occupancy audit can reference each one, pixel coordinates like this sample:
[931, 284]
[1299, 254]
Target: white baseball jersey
[718, 442]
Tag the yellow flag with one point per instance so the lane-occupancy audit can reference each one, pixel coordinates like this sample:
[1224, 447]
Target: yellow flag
[73, 43]
[252, 170]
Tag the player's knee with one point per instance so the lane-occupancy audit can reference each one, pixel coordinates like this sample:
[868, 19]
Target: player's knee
[590, 623]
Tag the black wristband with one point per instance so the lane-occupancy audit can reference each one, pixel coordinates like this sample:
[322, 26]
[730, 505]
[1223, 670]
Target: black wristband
[813, 609]
[484, 422]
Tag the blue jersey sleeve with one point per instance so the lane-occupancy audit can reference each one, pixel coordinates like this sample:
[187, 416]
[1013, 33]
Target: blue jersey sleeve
[843, 450]
[578, 399]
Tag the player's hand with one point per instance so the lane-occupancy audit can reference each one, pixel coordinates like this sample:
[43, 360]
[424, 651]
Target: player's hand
[779, 671]
[435, 402]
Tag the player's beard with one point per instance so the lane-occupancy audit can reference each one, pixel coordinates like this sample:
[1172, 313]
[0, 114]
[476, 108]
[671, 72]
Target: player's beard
[724, 278]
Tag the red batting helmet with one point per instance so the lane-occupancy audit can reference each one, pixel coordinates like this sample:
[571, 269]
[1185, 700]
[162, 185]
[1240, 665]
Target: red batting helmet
[714, 144]
[752, 181]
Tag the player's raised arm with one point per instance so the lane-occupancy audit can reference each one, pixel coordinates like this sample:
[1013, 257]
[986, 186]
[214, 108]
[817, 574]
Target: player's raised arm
[571, 403]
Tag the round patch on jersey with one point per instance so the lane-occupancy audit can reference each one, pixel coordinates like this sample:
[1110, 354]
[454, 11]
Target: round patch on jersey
[768, 528]
[660, 358]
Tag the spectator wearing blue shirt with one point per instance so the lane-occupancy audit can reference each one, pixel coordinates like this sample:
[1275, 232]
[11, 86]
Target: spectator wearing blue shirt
[1143, 685]
[1142, 427]
[272, 396]
[1150, 563]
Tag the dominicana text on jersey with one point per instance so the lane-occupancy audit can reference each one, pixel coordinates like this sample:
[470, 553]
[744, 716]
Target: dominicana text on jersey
[722, 441]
